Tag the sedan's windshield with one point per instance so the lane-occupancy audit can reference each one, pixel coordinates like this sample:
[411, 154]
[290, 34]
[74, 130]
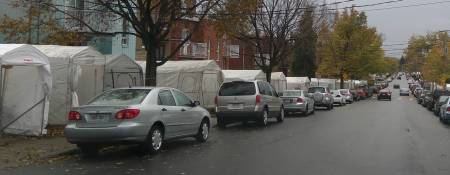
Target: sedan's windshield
[121, 97]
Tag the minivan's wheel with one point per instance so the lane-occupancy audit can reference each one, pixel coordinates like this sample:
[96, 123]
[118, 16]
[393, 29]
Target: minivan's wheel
[203, 131]
[280, 117]
[154, 139]
[221, 122]
[329, 107]
[89, 149]
[264, 118]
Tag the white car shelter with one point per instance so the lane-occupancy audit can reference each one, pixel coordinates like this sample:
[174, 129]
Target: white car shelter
[200, 80]
[243, 75]
[278, 81]
[122, 71]
[77, 77]
[324, 82]
[298, 83]
[25, 82]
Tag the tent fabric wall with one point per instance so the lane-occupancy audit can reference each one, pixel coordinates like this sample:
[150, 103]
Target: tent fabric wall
[298, 83]
[200, 80]
[243, 75]
[330, 83]
[278, 81]
[72, 66]
[122, 71]
[26, 82]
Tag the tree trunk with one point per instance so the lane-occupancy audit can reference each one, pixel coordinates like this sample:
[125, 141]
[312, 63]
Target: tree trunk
[150, 69]
[341, 77]
[268, 74]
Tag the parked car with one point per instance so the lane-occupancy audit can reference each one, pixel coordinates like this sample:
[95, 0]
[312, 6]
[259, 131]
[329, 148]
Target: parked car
[362, 94]
[399, 78]
[385, 94]
[421, 98]
[404, 91]
[355, 95]
[444, 115]
[417, 92]
[248, 101]
[427, 101]
[437, 93]
[348, 95]
[338, 98]
[438, 104]
[147, 116]
[396, 86]
[296, 101]
[322, 97]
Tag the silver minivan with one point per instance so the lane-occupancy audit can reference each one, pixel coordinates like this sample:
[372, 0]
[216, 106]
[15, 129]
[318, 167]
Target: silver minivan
[248, 101]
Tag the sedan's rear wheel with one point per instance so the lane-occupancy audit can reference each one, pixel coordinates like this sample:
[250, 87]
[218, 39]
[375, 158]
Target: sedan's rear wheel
[203, 132]
[154, 139]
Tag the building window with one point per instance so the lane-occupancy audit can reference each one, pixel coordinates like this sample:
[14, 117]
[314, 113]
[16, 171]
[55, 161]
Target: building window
[124, 35]
[233, 51]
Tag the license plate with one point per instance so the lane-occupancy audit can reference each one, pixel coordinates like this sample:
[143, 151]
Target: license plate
[287, 100]
[235, 106]
[98, 117]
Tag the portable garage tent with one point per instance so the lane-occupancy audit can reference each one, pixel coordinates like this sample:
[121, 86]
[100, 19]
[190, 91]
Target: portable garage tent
[330, 83]
[278, 81]
[77, 77]
[25, 83]
[298, 83]
[122, 71]
[198, 79]
[243, 75]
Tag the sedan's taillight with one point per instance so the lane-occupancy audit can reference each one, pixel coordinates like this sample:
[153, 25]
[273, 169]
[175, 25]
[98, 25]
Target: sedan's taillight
[74, 115]
[448, 109]
[127, 113]
[299, 100]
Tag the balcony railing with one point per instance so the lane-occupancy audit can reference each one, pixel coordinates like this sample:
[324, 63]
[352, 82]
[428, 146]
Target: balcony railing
[194, 50]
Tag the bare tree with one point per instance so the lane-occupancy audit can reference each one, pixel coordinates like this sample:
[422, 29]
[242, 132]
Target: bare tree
[152, 21]
[267, 25]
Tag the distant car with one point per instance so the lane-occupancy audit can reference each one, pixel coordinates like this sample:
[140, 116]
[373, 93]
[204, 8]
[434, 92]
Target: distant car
[243, 101]
[444, 115]
[428, 101]
[362, 93]
[417, 92]
[355, 95]
[348, 95]
[147, 116]
[385, 94]
[396, 86]
[399, 78]
[439, 103]
[322, 97]
[421, 98]
[338, 98]
[404, 91]
[296, 101]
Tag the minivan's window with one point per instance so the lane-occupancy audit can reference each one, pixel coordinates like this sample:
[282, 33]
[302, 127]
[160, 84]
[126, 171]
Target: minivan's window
[166, 98]
[291, 93]
[316, 89]
[443, 98]
[344, 91]
[264, 88]
[121, 97]
[237, 89]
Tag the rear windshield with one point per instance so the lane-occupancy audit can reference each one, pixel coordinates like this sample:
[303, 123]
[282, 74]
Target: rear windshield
[237, 89]
[344, 91]
[291, 93]
[316, 89]
[443, 98]
[121, 97]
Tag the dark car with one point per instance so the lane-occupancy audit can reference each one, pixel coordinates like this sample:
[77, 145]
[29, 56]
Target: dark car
[435, 98]
[439, 103]
[428, 100]
[422, 96]
[385, 94]
[396, 86]
[399, 78]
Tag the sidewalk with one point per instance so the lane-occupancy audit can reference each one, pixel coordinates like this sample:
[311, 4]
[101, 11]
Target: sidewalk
[16, 151]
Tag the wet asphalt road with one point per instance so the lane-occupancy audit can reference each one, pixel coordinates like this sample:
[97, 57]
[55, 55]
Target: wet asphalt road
[367, 137]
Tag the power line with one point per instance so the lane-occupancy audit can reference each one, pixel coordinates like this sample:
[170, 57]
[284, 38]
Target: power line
[406, 6]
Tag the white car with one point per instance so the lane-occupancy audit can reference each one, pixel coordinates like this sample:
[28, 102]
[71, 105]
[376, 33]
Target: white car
[338, 97]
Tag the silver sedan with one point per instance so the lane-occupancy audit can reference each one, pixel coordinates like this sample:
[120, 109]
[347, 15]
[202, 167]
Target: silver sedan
[146, 116]
[296, 101]
[444, 115]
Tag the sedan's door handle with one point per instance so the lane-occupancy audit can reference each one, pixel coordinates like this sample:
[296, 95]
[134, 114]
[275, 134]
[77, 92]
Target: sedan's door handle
[163, 109]
[183, 110]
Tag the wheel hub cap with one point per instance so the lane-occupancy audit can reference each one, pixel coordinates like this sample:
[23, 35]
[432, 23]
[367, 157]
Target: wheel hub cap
[205, 131]
[156, 139]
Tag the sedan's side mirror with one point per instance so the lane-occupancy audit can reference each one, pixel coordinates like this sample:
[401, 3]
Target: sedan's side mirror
[196, 103]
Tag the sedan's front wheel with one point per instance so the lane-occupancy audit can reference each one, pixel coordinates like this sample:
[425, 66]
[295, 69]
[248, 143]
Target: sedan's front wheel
[203, 132]
[280, 117]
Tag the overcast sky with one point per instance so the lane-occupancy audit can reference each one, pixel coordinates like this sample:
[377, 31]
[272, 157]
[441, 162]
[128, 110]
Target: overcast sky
[398, 25]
